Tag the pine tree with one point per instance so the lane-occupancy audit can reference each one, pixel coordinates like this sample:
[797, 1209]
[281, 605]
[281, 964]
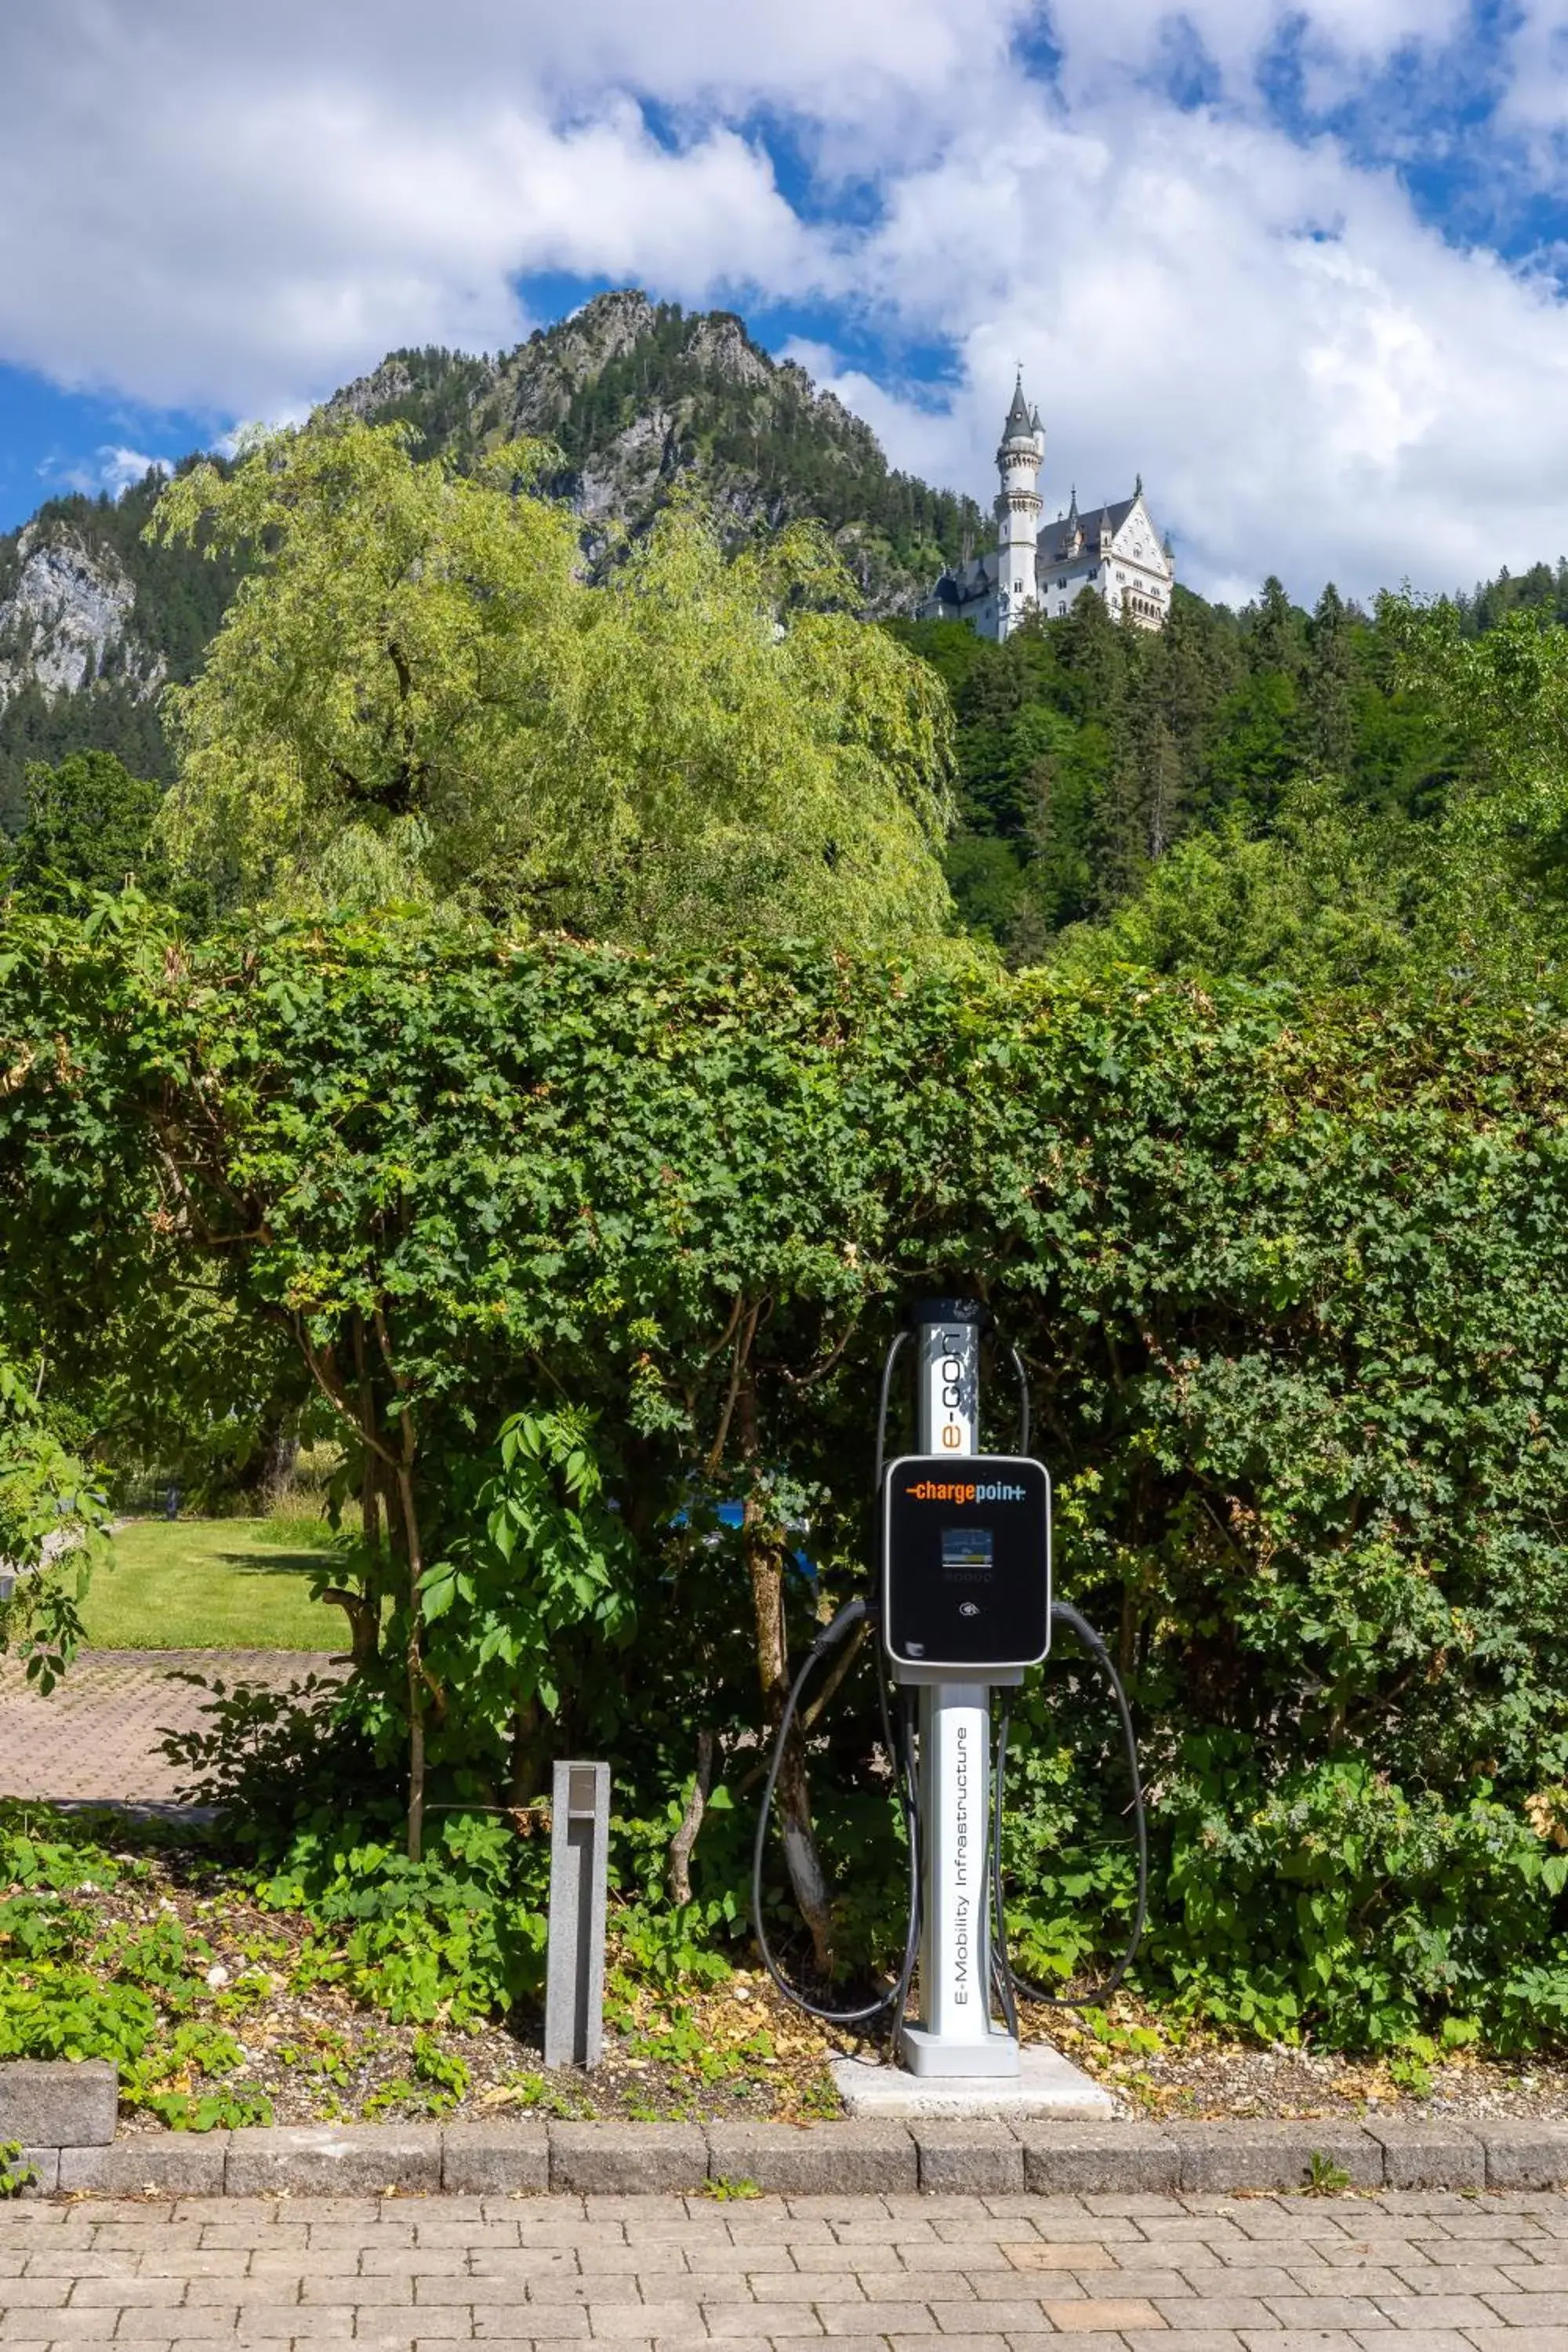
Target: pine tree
[1329, 722]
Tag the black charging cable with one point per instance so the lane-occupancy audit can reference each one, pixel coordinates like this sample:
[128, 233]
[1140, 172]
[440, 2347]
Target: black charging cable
[1010, 1983]
[852, 1614]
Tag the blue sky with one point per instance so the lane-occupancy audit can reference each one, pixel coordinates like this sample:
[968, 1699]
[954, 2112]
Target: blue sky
[1302, 267]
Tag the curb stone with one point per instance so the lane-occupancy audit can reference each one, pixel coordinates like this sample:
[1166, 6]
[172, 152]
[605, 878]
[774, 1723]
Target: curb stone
[933, 2155]
[1428, 2155]
[58, 2102]
[976, 2160]
[1267, 2155]
[495, 2159]
[168, 2164]
[628, 2159]
[826, 2159]
[1098, 2159]
[327, 2159]
[1525, 2155]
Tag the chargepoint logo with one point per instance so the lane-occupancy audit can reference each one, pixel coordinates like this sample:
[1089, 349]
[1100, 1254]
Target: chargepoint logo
[962, 1490]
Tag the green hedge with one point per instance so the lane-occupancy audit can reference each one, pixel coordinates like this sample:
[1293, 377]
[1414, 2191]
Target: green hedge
[1291, 1281]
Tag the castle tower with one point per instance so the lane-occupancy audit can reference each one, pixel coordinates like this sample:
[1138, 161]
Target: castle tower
[1018, 503]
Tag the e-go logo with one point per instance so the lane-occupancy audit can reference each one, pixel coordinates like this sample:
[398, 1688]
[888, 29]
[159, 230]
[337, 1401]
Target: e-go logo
[949, 1372]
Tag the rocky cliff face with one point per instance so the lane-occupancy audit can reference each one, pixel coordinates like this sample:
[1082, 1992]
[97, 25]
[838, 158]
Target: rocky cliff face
[93, 624]
[66, 618]
[639, 398]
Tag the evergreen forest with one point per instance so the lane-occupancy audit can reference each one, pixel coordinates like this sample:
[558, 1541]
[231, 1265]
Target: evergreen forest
[1087, 752]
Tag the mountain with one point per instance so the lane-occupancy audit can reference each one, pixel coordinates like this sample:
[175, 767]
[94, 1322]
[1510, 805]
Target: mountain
[93, 624]
[639, 399]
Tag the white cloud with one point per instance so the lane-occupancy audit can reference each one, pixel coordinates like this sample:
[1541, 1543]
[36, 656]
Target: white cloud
[120, 469]
[1311, 381]
[236, 211]
[111, 467]
[1107, 39]
[1538, 86]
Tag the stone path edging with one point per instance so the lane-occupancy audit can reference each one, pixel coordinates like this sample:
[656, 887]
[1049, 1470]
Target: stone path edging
[935, 2156]
[63, 2115]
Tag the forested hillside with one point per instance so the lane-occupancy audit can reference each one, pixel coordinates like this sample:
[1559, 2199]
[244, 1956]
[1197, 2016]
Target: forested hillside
[1088, 753]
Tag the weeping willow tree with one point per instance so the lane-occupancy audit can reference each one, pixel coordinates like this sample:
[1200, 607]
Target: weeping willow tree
[415, 694]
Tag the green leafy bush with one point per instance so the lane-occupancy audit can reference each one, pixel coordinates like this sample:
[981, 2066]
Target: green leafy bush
[1291, 1280]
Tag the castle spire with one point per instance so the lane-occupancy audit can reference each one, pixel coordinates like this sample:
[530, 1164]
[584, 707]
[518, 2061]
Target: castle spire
[1018, 505]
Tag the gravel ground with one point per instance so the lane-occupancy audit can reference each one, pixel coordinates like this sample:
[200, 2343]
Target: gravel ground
[1199, 2076]
[736, 2053]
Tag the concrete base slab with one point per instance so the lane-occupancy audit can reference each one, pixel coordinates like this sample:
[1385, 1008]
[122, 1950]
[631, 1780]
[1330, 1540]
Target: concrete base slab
[1045, 2084]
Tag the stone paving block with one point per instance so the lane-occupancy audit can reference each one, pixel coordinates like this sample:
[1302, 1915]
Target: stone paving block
[307, 2159]
[1424, 2279]
[814, 2159]
[980, 2160]
[1428, 2155]
[801, 2342]
[1518, 2339]
[1525, 2155]
[58, 2102]
[1438, 2311]
[1326, 2311]
[1180, 2338]
[1097, 2159]
[170, 2164]
[1268, 2155]
[1038, 2339]
[628, 2159]
[495, 2159]
[1305, 2340]
[874, 2320]
[957, 2338]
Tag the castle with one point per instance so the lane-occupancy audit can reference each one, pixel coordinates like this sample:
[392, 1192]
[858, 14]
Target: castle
[1121, 557]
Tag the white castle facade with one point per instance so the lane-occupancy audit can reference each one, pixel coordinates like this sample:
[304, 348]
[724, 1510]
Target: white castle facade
[1118, 557]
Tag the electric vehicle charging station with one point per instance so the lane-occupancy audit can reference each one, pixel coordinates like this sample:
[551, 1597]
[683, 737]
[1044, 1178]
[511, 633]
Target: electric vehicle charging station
[966, 1593]
[964, 1608]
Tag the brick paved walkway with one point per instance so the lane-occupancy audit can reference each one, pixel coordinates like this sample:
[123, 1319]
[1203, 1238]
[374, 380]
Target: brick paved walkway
[1408, 2272]
[96, 1737]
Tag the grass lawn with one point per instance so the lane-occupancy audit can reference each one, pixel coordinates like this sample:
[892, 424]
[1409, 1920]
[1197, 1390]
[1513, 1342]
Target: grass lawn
[212, 1584]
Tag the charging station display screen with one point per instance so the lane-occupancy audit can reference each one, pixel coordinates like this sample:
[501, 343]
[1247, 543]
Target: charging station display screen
[967, 1561]
[968, 1555]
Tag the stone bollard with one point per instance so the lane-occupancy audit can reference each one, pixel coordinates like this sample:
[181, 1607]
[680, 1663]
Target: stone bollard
[579, 1857]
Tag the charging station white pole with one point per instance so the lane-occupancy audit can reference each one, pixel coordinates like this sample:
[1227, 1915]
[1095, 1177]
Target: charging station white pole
[955, 2034]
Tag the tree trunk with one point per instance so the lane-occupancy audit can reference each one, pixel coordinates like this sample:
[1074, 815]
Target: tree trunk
[526, 1780]
[685, 1838]
[369, 1473]
[764, 1566]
